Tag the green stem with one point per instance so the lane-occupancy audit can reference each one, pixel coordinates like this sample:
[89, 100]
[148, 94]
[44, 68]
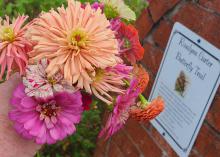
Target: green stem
[144, 101]
[38, 154]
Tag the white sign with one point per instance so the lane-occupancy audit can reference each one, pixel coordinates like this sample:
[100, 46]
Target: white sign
[188, 79]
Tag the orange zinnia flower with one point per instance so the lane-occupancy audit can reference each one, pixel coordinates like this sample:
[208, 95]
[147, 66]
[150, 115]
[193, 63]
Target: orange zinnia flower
[148, 113]
[76, 40]
[142, 76]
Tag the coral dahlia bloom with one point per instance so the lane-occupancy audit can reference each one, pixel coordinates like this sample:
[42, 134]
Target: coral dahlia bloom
[130, 45]
[76, 40]
[120, 113]
[45, 120]
[38, 84]
[117, 8]
[13, 45]
[110, 81]
[148, 113]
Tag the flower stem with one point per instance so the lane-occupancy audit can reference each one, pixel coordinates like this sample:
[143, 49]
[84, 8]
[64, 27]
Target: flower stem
[144, 101]
[38, 154]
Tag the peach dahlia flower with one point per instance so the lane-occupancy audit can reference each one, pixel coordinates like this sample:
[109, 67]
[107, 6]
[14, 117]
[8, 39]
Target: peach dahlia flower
[76, 40]
[13, 45]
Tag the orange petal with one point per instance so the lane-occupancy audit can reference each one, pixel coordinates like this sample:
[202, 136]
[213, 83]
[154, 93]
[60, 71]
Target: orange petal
[142, 77]
[150, 112]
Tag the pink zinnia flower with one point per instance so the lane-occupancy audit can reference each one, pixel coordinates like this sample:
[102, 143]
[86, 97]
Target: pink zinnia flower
[13, 45]
[115, 25]
[45, 120]
[97, 5]
[39, 85]
[109, 81]
[120, 113]
[76, 40]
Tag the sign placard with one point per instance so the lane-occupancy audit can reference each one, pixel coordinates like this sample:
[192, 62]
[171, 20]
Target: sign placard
[188, 79]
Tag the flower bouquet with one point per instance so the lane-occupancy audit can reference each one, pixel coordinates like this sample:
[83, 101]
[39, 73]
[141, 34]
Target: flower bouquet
[69, 59]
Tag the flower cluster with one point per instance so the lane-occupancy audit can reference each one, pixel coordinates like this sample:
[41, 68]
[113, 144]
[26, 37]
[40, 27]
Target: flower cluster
[68, 58]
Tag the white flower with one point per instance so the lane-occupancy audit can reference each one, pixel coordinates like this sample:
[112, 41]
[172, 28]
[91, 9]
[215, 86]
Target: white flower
[39, 85]
[121, 8]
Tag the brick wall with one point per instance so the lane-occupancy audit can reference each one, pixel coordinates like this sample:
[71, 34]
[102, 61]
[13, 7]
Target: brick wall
[154, 25]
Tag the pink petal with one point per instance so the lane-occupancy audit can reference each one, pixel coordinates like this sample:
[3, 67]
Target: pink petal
[28, 102]
[30, 123]
[42, 132]
[19, 91]
[48, 123]
[70, 129]
[42, 139]
[36, 129]
[20, 129]
[64, 120]
[73, 118]
[50, 140]
[14, 101]
[55, 133]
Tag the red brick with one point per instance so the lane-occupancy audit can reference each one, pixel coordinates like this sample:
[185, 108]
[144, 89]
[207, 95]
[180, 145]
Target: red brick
[125, 145]
[144, 24]
[142, 139]
[193, 154]
[161, 141]
[101, 145]
[114, 151]
[200, 21]
[105, 117]
[211, 4]
[147, 126]
[213, 115]
[98, 153]
[208, 142]
[159, 7]
[162, 33]
[152, 57]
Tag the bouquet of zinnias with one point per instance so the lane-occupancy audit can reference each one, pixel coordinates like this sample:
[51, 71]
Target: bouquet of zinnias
[69, 57]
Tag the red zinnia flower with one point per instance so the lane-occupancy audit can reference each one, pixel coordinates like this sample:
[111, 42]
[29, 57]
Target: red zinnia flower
[87, 101]
[130, 45]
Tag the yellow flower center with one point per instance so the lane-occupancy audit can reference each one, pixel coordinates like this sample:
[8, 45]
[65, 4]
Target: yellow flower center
[78, 38]
[52, 81]
[7, 34]
[99, 74]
